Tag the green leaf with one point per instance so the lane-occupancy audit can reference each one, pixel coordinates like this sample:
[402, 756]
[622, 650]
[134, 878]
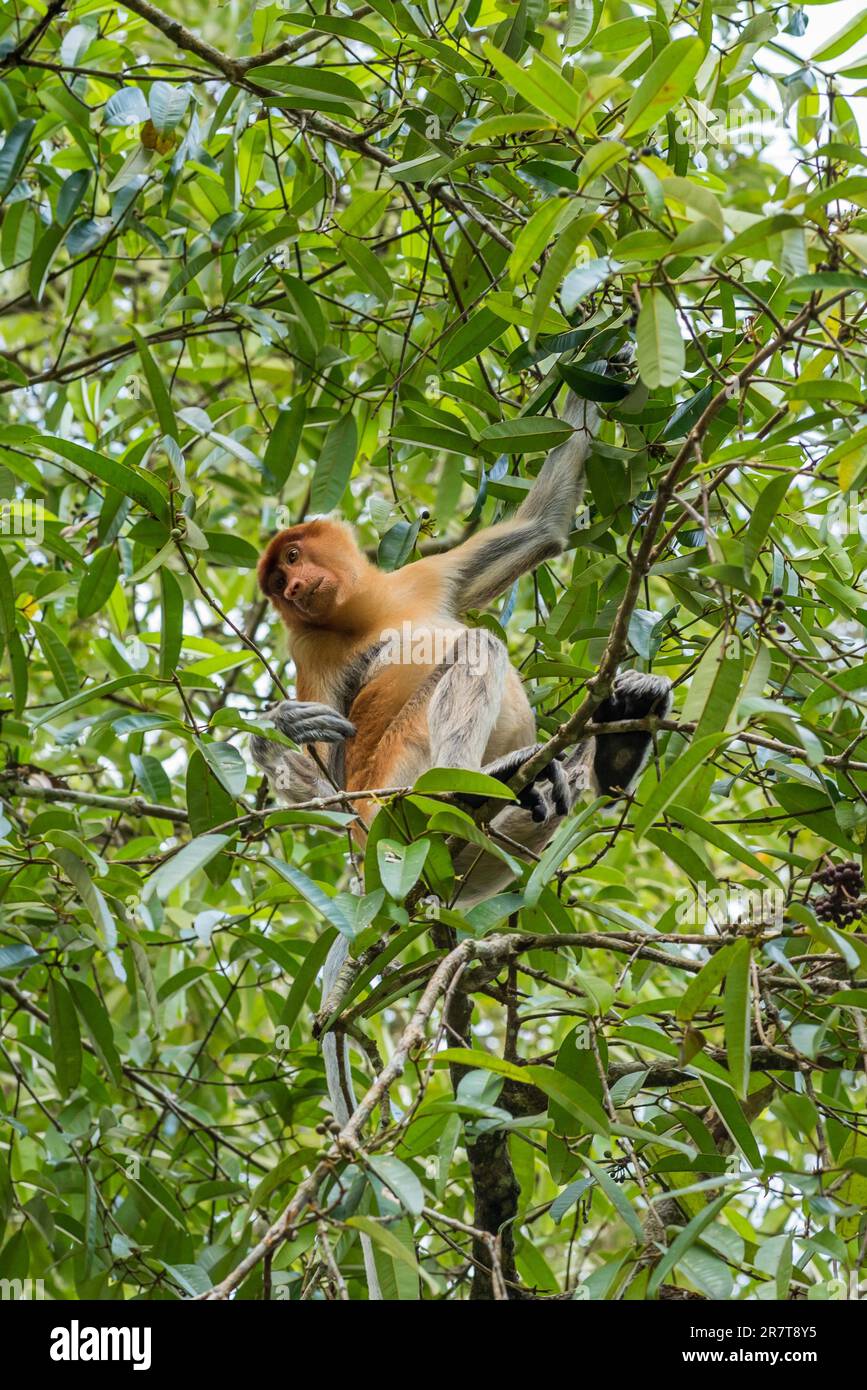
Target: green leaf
[71, 194]
[556, 266]
[734, 1119]
[684, 1241]
[227, 765]
[313, 894]
[512, 124]
[14, 153]
[617, 1197]
[208, 802]
[188, 861]
[715, 835]
[128, 106]
[541, 85]
[571, 1097]
[65, 1036]
[470, 339]
[381, 1235]
[167, 103]
[43, 259]
[400, 865]
[487, 1061]
[100, 914]
[534, 237]
[660, 351]
[137, 485]
[769, 502]
[99, 581]
[524, 435]
[305, 977]
[666, 81]
[57, 656]
[171, 626]
[400, 1180]
[158, 389]
[457, 779]
[14, 957]
[840, 42]
[283, 442]
[334, 467]
[705, 982]
[98, 1024]
[676, 777]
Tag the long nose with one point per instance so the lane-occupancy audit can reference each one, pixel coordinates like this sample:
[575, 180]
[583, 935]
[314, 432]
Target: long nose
[294, 588]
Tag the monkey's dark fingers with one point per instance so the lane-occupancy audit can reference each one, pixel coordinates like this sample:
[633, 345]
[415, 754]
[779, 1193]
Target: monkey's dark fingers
[309, 722]
[533, 800]
[558, 782]
[556, 775]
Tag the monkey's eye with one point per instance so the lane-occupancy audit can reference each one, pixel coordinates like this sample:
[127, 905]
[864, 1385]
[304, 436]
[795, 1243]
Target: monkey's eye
[292, 555]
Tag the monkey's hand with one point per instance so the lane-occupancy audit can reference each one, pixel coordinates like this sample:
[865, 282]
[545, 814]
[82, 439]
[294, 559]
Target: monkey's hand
[532, 798]
[303, 722]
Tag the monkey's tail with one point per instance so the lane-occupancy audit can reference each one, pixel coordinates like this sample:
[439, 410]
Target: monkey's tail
[338, 1078]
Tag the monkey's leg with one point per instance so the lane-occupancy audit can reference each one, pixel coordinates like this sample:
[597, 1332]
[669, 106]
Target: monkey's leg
[466, 704]
[606, 765]
[530, 823]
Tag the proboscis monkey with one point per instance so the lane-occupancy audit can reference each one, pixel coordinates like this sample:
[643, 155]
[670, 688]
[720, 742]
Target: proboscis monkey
[390, 682]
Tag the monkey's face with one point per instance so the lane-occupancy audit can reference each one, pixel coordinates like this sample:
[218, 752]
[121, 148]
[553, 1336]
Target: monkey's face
[299, 575]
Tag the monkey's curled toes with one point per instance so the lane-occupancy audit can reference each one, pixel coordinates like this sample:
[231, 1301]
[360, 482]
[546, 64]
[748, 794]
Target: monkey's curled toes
[303, 722]
[552, 780]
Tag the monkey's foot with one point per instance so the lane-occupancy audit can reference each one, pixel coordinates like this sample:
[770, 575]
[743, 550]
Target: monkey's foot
[552, 779]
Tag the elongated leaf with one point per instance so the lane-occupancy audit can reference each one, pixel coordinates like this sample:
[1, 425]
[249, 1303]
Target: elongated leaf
[319, 900]
[171, 627]
[335, 465]
[676, 777]
[668, 78]
[761, 520]
[188, 861]
[617, 1198]
[660, 352]
[738, 1017]
[65, 1036]
[540, 84]
[99, 581]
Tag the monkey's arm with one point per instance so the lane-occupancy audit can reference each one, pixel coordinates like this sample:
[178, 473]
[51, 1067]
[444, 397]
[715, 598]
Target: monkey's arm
[481, 568]
[294, 776]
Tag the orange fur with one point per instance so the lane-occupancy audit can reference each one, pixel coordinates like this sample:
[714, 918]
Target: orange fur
[344, 606]
[366, 603]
